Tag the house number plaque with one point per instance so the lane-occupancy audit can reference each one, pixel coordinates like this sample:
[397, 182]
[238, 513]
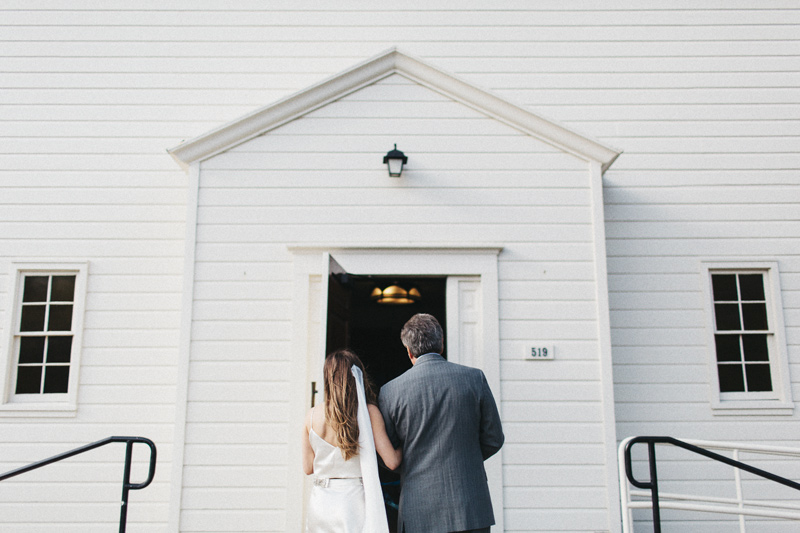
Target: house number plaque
[539, 352]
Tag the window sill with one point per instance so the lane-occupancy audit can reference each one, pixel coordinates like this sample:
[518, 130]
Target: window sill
[753, 408]
[38, 410]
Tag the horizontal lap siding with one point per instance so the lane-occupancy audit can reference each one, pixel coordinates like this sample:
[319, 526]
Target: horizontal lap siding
[701, 97]
[123, 391]
[709, 172]
[657, 309]
[721, 204]
[276, 189]
[86, 183]
[131, 233]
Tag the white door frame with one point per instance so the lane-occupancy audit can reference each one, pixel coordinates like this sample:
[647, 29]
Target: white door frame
[471, 269]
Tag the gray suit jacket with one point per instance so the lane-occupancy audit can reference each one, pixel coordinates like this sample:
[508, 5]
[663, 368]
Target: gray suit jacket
[445, 418]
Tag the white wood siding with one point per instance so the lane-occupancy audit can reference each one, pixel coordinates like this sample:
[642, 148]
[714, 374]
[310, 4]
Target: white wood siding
[130, 231]
[320, 179]
[703, 98]
[91, 183]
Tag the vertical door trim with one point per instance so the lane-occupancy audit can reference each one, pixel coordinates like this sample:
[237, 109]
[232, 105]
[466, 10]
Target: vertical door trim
[465, 332]
[467, 265]
[464, 320]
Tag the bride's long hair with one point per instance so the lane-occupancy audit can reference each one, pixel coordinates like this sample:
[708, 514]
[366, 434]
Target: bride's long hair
[341, 399]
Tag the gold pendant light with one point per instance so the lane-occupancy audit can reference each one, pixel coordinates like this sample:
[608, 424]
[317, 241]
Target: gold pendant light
[395, 295]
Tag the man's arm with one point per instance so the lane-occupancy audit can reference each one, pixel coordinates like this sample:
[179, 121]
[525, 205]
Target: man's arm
[491, 432]
[391, 431]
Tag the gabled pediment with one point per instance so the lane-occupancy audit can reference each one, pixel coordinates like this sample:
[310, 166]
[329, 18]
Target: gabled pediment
[386, 64]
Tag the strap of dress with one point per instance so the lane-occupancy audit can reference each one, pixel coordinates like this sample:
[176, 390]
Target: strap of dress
[375, 513]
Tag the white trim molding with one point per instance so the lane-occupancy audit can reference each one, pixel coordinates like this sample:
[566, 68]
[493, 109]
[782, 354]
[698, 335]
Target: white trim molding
[185, 350]
[390, 62]
[478, 264]
[604, 343]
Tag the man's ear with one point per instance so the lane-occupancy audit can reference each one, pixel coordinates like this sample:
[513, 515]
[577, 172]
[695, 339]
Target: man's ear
[411, 356]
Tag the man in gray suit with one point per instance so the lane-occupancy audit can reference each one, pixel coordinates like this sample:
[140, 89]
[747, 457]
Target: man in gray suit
[445, 418]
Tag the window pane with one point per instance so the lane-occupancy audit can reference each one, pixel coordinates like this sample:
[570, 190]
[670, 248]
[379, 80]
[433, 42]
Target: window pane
[63, 289]
[56, 379]
[754, 316]
[752, 286]
[758, 378]
[730, 378]
[724, 286]
[32, 318]
[60, 318]
[755, 348]
[31, 350]
[727, 316]
[727, 347]
[59, 349]
[29, 379]
[35, 289]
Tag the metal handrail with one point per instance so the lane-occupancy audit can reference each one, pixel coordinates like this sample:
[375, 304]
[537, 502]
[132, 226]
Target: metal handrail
[127, 486]
[626, 469]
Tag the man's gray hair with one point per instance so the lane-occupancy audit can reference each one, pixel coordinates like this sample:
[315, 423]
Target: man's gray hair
[422, 334]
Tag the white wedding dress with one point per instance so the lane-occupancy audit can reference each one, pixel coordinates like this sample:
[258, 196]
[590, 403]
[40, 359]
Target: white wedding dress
[336, 504]
[346, 496]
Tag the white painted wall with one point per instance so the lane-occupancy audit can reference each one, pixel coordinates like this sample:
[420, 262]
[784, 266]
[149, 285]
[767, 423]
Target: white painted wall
[129, 227]
[320, 179]
[703, 98]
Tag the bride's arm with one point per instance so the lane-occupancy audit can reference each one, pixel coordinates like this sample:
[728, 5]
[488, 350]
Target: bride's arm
[308, 452]
[391, 457]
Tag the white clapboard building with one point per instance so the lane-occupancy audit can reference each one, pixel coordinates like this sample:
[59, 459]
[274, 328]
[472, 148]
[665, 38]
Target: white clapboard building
[599, 201]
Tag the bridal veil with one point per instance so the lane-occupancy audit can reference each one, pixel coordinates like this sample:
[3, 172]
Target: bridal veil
[375, 515]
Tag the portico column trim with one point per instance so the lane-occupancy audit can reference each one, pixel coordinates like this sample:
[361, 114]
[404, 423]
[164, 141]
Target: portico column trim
[184, 350]
[604, 344]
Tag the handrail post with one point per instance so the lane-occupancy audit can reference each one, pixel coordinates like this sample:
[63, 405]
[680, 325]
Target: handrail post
[651, 452]
[126, 482]
[653, 483]
[737, 477]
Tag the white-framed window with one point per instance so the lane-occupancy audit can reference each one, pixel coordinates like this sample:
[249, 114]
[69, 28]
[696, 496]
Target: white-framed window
[41, 360]
[747, 349]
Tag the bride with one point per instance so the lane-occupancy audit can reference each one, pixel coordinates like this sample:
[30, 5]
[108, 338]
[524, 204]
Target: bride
[340, 441]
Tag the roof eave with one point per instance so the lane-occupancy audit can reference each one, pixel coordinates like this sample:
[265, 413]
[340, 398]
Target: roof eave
[390, 62]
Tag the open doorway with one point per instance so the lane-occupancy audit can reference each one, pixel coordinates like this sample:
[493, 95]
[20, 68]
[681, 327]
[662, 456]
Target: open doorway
[356, 320]
[372, 329]
[471, 326]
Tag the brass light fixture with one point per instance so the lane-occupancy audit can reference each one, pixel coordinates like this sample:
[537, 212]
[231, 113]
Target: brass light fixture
[395, 295]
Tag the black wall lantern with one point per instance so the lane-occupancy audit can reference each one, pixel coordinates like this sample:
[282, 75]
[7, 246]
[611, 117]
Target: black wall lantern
[395, 159]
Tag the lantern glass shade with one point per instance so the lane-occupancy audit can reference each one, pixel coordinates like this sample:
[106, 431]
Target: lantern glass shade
[395, 295]
[395, 167]
[395, 159]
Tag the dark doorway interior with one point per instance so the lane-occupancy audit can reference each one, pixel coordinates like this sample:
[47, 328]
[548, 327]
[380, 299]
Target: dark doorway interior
[375, 328]
[372, 331]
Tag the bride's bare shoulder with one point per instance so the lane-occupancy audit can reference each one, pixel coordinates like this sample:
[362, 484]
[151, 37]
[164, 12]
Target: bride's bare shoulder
[317, 421]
